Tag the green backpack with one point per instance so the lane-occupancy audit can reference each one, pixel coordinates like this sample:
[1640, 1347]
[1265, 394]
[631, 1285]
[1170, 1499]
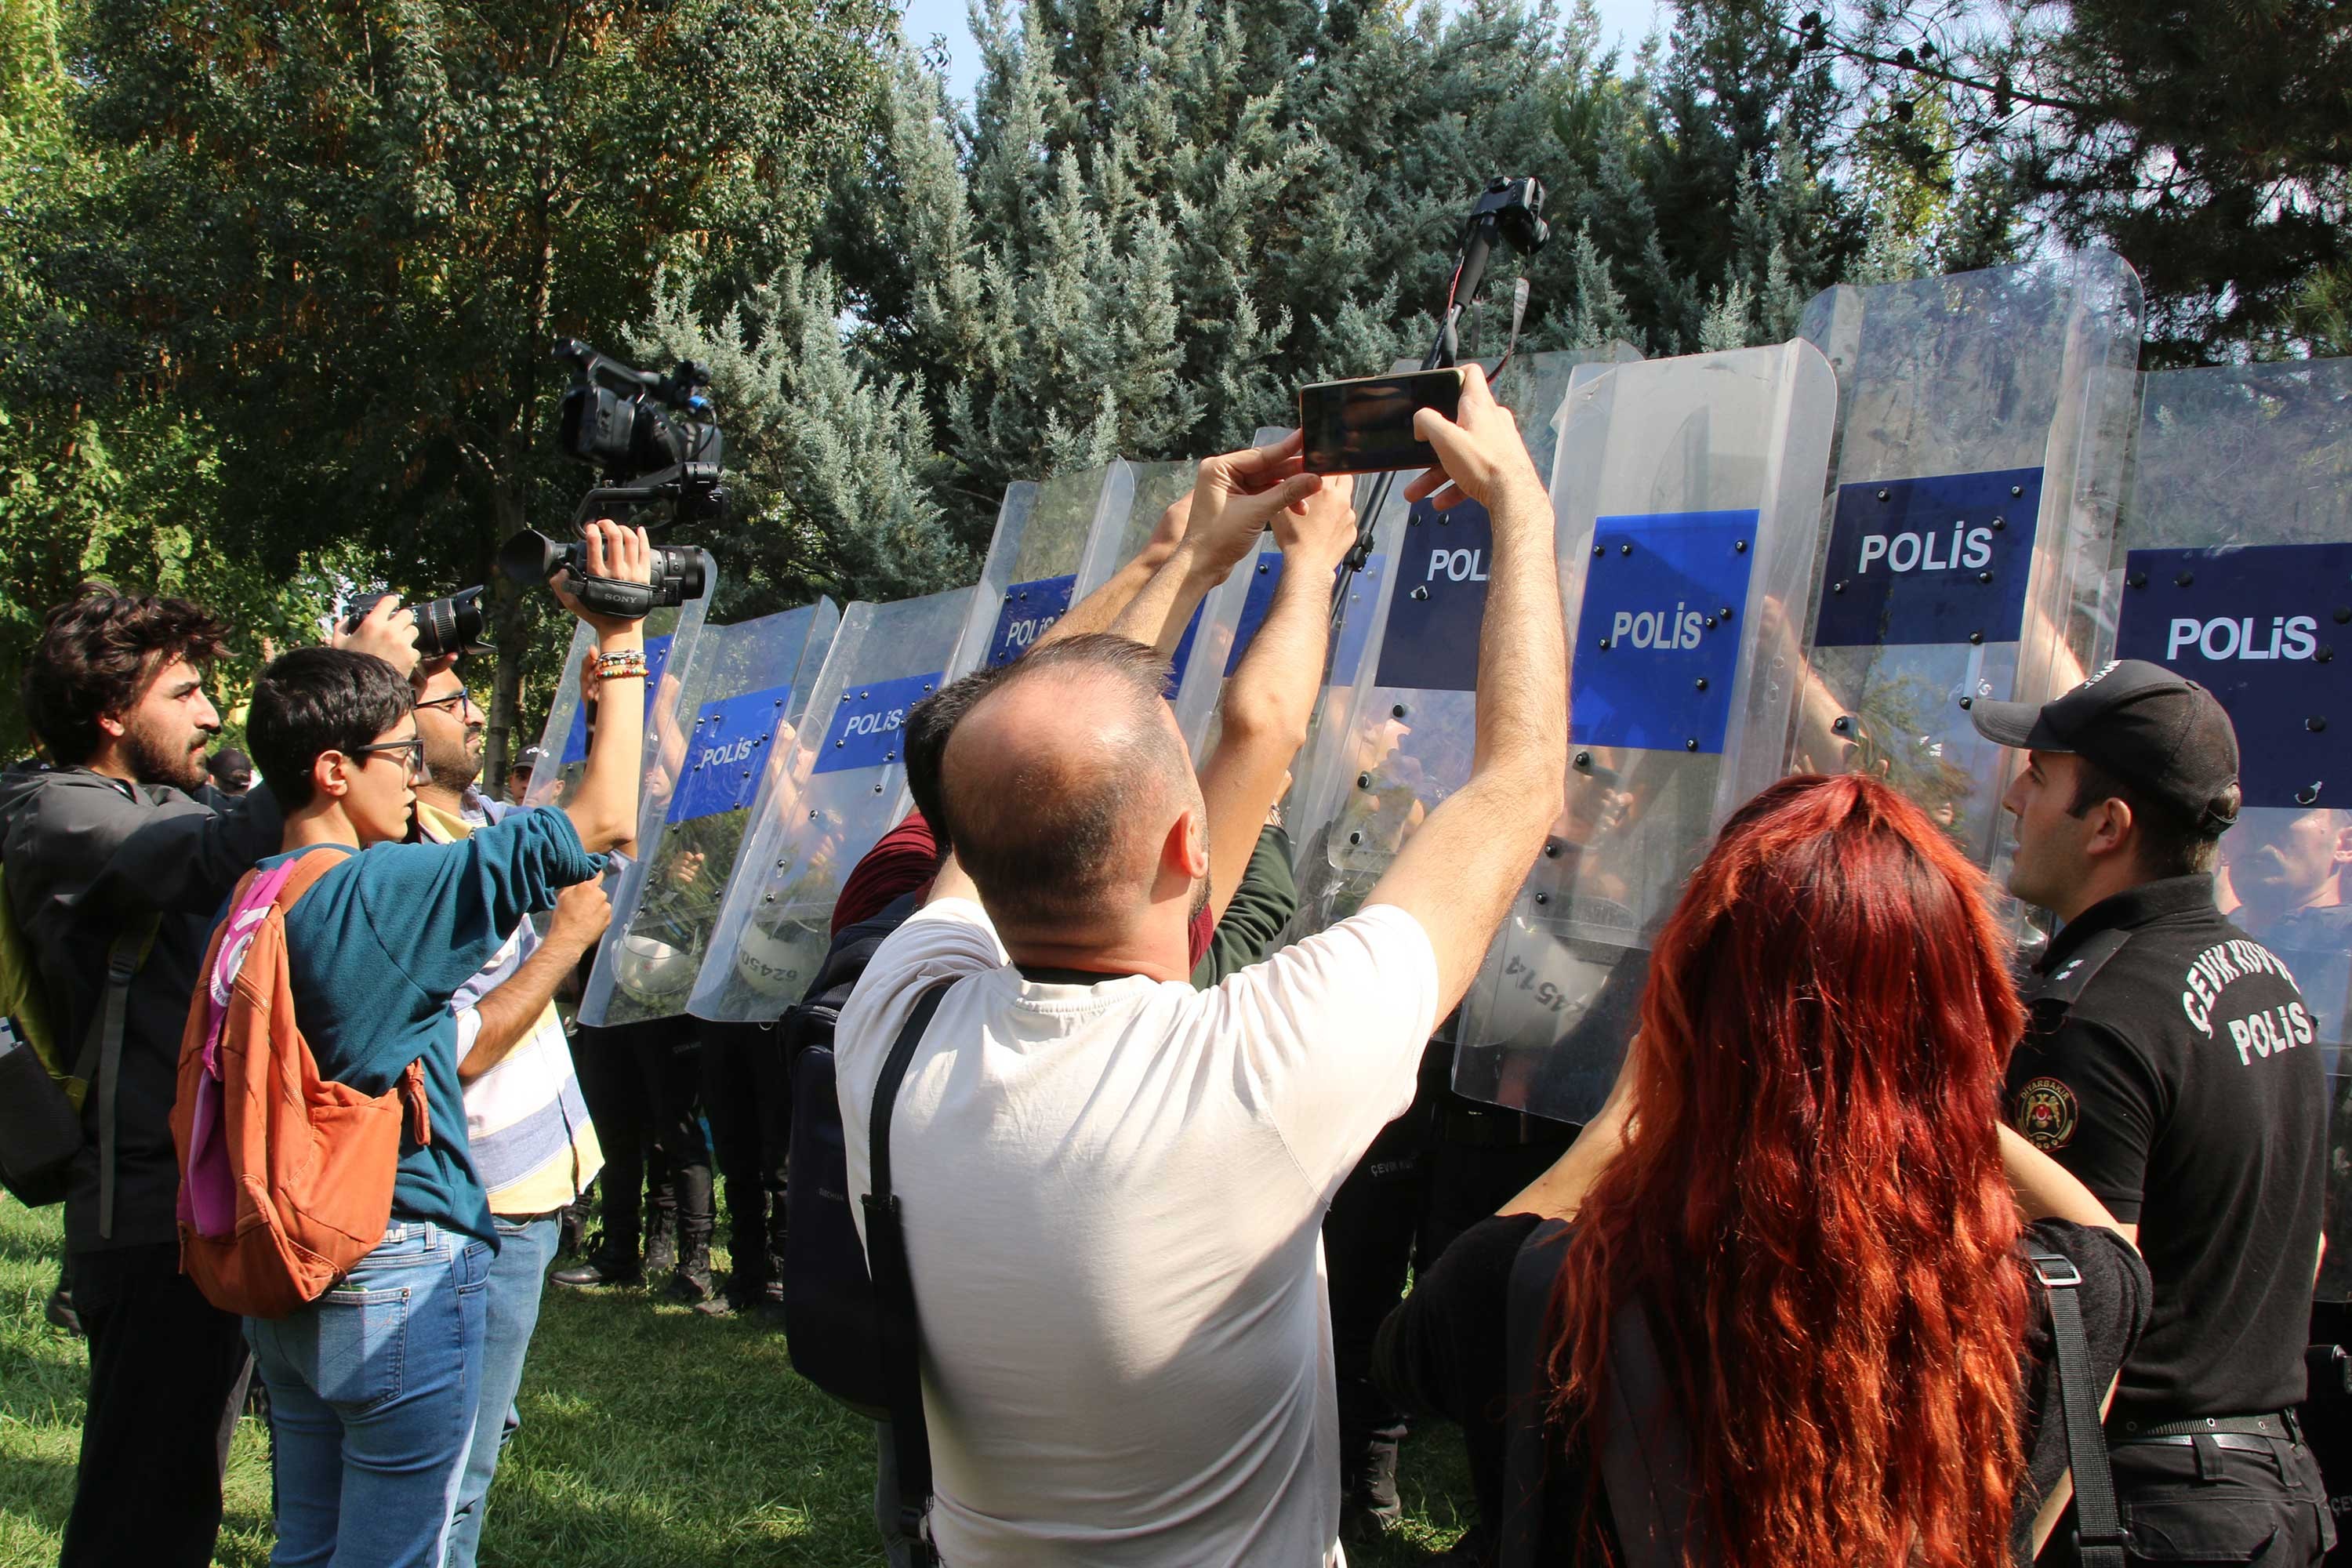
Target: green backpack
[41, 1093]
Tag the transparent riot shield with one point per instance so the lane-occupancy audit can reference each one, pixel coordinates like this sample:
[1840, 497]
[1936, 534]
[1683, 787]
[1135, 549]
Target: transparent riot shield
[1032, 571]
[1984, 420]
[1392, 734]
[1134, 500]
[2237, 571]
[1689, 497]
[672, 635]
[839, 787]
[738, 715]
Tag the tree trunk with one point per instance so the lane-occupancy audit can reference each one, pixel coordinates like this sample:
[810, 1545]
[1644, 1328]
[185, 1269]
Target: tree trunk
[510, 637]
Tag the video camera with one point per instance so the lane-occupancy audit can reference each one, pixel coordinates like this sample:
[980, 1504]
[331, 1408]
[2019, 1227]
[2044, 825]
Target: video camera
[651, 437]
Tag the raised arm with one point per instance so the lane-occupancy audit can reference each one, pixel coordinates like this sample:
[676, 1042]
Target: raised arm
[1235, 497]
[1266, 704]
[506, 1014]
[1099, 610]
[604, 808]
[1458, 874]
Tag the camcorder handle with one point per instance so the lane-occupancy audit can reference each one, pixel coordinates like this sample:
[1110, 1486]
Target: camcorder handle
[612, 596]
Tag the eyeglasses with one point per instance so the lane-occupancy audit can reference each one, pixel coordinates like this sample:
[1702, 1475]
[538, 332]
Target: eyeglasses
[413, 749]
[457, 702]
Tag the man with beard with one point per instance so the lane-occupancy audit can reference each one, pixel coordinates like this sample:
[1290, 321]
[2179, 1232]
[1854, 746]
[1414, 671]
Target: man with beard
[118, 857]
[534, 1146]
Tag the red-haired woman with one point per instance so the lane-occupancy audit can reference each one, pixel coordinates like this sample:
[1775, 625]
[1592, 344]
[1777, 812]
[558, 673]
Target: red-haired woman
[1802, 1183]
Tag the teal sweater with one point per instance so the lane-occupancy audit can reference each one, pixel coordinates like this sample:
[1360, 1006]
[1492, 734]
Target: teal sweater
[376, 948]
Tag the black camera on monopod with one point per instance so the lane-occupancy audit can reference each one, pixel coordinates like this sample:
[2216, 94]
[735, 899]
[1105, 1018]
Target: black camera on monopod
[653, 443]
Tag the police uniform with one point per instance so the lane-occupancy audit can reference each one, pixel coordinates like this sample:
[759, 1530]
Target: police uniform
[2172, 1065]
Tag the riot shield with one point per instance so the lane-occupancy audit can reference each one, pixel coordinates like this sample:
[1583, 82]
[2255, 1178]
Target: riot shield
[1688, 496]
[838, 788]
[1392, 734]
[2236, 572]
[742, 696]
[1984, 420]
[1134, 499]
[672, 635]
[1032, 571]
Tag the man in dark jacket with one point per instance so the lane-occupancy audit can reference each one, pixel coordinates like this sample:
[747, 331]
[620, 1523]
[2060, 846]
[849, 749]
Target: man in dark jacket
[118, 857]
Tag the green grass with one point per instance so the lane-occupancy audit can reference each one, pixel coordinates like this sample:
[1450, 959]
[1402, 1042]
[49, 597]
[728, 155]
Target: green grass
[652, 1437]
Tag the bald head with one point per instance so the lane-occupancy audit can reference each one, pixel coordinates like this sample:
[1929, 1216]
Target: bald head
[1063, 781]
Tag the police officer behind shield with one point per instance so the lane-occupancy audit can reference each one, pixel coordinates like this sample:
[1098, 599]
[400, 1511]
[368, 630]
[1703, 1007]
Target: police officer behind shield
[2169, 1064]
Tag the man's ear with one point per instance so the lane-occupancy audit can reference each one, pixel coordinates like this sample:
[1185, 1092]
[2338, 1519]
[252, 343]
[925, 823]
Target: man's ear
[1184, 853]
[2109, 826]
[2343, 846]
[114, 725]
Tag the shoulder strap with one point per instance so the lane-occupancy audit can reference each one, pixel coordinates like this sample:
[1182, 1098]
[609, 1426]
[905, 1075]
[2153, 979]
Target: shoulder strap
[1645, 1461]
[899, 1331]
[2098, 1526]
[1526, 1309]
[2071, 976]
[101, 1061]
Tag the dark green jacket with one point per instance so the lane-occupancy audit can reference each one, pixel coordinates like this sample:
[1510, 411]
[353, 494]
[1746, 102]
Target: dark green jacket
[1262, 906]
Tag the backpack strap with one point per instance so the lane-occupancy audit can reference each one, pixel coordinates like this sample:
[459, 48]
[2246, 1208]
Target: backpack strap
[303, 872]
[2098, 1523]
[898, 1328]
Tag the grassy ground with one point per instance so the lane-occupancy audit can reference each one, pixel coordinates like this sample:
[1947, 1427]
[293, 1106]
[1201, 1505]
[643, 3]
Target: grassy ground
[651, 1436]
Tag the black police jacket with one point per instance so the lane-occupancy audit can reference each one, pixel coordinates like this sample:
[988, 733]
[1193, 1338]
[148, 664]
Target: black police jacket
[2172, 1066]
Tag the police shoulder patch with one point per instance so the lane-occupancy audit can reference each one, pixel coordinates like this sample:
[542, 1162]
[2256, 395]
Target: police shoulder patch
[2046, 1114]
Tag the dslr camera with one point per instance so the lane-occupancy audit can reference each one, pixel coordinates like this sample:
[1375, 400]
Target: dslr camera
[652, 440]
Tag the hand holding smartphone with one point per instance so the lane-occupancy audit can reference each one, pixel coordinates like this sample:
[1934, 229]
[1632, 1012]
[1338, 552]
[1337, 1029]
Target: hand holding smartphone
[1364, 425]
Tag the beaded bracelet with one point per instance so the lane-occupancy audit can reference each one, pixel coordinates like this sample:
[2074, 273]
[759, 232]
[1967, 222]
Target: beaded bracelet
[620, 665]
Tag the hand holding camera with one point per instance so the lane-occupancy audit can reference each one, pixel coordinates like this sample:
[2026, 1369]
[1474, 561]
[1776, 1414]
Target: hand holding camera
[386, 630]
[608, 585]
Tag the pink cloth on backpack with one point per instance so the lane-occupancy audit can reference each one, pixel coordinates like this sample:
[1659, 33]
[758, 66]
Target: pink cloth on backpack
[207, 1190]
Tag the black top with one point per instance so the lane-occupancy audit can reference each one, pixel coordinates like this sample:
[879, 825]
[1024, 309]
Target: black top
[1443, 1350]
[2175, 1075]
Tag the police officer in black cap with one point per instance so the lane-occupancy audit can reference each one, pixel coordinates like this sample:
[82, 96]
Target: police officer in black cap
[2170, 1065]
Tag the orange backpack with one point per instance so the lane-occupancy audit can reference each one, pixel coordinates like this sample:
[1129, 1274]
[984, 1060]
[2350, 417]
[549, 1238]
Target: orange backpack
[285, 1177]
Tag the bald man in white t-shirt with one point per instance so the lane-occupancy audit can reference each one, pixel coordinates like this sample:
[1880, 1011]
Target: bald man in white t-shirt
[1112, 1186]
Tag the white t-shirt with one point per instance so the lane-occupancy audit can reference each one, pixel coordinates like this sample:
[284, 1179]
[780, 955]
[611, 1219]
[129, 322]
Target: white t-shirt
[1113, 1198]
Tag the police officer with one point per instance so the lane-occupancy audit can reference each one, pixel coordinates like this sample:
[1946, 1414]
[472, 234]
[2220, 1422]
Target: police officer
[2170, 1064]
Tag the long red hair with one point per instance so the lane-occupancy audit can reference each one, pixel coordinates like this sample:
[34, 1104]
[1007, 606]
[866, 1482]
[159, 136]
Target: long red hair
[1811, 1199]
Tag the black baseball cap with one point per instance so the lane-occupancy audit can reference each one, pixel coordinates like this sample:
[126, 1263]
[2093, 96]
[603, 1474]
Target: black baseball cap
[526, 759]
[2139, 722]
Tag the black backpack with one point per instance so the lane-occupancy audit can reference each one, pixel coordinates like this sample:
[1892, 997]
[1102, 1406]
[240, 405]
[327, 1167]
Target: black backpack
[831, 1318]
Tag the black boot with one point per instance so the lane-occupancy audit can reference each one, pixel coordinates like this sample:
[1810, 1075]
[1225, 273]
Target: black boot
[661, 1241]
[691, 1283]
[1368, 1505]
[613, 1262]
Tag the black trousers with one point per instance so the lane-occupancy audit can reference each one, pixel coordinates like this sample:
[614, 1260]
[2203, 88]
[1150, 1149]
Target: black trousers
[2186, 1504]
[747, 1092]
[167, 1375]
[1367, 1252]
[2327, 1419]
[642, 1082]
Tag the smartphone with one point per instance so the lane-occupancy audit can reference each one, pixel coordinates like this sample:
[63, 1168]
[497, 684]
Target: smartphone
[1364, 425]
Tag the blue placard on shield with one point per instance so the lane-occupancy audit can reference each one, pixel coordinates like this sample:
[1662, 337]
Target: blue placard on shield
[1432, 641]
[727, 752]
[575, 741]
[2258, 628]
[1938, 559]
[1658, 640]
[1354, 632]
[1028, 611]
[869, 720]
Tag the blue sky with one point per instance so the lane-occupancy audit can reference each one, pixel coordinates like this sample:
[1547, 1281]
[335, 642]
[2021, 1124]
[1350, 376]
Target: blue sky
[1624, 20]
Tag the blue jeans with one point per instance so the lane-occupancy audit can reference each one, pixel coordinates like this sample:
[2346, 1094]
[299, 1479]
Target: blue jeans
[518, 1274]
[372, 1394]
